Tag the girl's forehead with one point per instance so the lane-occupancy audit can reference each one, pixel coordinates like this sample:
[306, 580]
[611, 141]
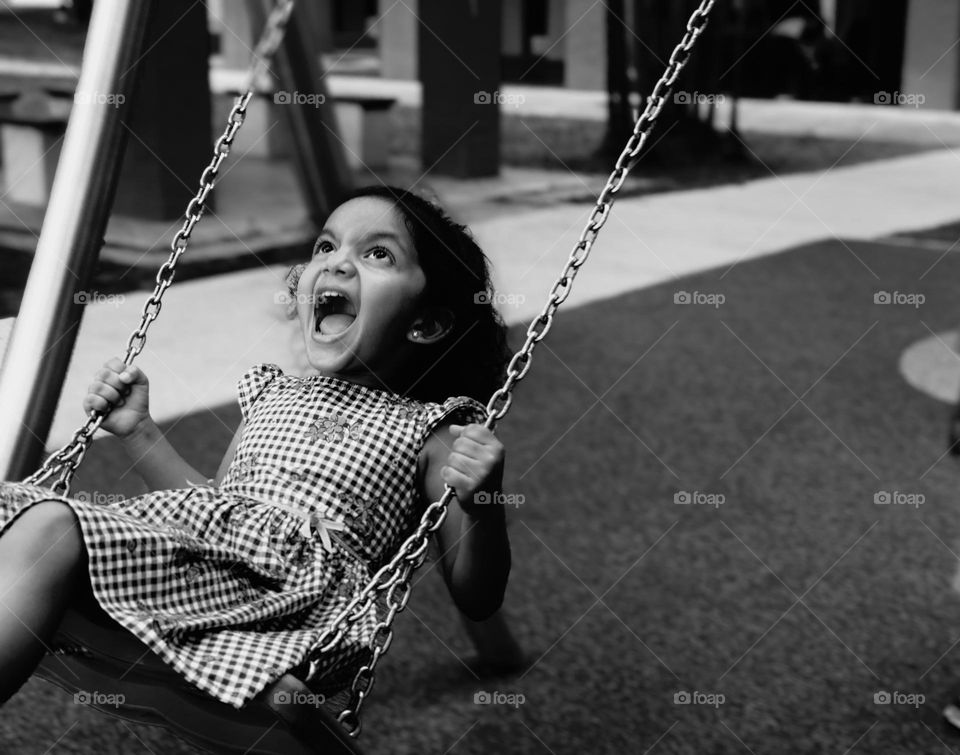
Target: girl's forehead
[365, 216]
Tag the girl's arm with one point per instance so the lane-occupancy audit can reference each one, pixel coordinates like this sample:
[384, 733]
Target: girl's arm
[157, 462]
[126, 389]
[475, 551]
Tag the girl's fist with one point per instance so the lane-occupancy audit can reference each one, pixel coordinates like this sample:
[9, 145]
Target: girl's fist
[475, 464]
[124, 391]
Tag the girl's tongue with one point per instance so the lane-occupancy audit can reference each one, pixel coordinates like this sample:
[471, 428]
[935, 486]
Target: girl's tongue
[334, 324]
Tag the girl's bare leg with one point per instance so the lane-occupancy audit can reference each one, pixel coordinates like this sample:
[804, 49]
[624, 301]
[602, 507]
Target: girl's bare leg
[497, 649]
[42, 556]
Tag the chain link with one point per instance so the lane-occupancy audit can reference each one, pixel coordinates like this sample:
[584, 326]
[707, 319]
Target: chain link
[412, 552]
[64, 462]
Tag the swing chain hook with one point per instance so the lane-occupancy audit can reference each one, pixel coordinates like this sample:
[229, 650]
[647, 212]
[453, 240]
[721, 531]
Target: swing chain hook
[63, 463]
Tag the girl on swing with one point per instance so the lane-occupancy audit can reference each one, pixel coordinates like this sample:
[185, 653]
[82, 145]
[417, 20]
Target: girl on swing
[232, 581]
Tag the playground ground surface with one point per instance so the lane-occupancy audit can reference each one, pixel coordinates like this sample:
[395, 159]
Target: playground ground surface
[793, 595]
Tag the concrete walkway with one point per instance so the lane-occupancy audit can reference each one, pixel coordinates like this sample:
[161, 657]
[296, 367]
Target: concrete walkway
[213, 329]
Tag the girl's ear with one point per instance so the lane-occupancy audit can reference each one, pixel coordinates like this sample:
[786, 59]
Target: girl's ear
[293, 280]
[431, 326]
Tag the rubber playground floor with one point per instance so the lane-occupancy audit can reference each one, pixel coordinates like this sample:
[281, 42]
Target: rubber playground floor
[783, 608]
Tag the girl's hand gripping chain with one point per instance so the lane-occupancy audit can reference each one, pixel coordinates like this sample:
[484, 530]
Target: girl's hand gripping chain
[475, 465]
[126, 389]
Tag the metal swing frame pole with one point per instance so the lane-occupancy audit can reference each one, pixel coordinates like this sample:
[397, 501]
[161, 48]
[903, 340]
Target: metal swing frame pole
[321, 165]
[45, 331]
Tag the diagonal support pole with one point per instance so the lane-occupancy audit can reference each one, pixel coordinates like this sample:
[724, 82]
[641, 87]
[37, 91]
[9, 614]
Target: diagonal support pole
[43, 337]
[321, 165]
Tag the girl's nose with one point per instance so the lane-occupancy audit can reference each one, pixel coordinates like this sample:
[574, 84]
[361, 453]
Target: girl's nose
[338, 263]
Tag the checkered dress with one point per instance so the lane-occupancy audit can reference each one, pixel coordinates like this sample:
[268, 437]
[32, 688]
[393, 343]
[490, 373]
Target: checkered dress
[233, 585]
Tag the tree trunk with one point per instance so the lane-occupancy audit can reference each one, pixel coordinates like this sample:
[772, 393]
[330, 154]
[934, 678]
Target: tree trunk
[684, 133]
[619, 116]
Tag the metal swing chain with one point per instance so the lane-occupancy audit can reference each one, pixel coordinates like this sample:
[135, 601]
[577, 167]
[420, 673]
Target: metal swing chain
[393, 579]
[65, 461]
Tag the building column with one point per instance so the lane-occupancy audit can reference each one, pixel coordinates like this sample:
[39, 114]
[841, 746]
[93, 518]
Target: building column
[170, 135]
[460, 73]
[398, 38]
[931, 60]
[585, 45]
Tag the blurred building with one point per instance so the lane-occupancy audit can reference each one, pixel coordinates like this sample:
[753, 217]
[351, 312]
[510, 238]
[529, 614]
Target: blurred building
[854, 49]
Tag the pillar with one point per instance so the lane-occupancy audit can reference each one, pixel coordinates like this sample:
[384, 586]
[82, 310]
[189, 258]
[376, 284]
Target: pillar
[170, 136]
[585, 46]
[460, 72]
[397, 38]
[931, 61]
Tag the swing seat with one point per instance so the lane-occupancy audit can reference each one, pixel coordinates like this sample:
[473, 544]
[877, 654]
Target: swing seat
[103, 665]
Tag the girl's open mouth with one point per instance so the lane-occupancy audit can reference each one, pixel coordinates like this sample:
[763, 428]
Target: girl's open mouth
[333, 312]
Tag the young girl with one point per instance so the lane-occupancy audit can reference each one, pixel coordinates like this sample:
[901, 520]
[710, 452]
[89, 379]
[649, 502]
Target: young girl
[232, 581]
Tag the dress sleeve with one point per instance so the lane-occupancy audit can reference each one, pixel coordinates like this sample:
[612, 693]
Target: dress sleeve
[461, 408]
[465, 410]
[252, 384]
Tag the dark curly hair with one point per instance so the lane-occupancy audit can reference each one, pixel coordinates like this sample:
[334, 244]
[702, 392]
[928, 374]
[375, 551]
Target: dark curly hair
[470, 360]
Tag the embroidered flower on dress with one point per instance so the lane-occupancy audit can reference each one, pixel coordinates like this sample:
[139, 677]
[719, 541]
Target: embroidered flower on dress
[180, 558]
[169, 624]
[349, 577]
[333, 429]
[273, 671]
[244, 469]
[302, 555]
[408, 409]
[297, 475]
[357, 512]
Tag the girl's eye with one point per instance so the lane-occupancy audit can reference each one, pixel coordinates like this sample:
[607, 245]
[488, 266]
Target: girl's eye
[322, 247]
[380, 253]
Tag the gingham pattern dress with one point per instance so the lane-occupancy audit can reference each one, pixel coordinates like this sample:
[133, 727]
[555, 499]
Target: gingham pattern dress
[233, 585]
